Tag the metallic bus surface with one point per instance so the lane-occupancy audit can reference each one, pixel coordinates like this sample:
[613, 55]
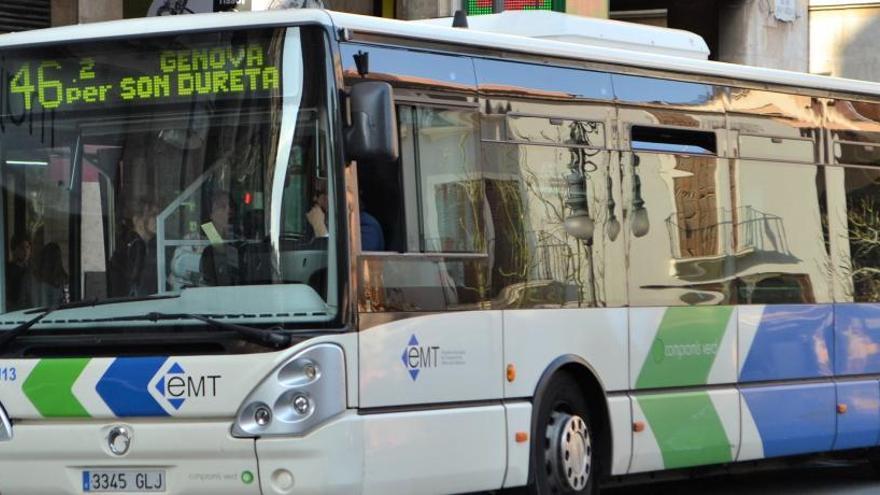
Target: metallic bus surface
[590, 261]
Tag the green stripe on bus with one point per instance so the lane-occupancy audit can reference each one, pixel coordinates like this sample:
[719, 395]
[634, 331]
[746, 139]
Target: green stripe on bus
[49, 387]
[687, 429]
[684, 347]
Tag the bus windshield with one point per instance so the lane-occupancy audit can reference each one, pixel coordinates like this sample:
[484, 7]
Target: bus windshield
[192, 167]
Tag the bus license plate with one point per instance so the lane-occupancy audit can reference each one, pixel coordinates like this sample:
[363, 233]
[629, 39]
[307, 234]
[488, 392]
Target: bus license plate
[123, 480]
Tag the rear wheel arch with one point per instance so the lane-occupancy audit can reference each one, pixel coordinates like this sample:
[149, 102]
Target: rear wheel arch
[586, 377]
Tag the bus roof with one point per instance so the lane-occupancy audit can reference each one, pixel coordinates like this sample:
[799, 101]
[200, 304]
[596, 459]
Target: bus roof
[590, 31]
[436, 33]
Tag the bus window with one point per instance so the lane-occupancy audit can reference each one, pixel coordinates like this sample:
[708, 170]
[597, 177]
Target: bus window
[667, 140]
[863, 220]
[174, 190]
[679, 224]
[38, 195]
[668, 93]
[498, 76]
[442, 191]
[780, 234]
[450, 193]
[857, 153]
[537, 262]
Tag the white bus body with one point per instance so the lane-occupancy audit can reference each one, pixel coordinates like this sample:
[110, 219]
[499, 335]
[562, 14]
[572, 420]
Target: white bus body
[597, 262]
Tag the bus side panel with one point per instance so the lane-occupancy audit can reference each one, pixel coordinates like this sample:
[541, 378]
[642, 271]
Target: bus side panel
[791, 419]
[856, 339]
[535, 338]
[858, 426]
[785, 342]
[326, 461]
[684, 429]
[682, 346]
[620, 413]
[519, 419]
[435, 451]
[431, 358]
[856, 352]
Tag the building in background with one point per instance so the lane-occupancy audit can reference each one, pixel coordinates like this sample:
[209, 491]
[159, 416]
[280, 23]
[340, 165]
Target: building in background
[20, 15]
[829, 37]
[765, 33]
[844, 36]
[832, 37]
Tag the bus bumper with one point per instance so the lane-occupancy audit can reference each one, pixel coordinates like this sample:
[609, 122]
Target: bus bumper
[196, 457]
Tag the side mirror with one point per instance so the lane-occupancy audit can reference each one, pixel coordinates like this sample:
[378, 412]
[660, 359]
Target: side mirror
[373, 131]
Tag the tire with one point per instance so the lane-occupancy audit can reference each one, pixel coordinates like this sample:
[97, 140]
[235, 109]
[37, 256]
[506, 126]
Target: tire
[565, 459]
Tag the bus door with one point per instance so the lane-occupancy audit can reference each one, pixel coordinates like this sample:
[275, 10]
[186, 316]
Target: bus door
[783, 277]
[678, 226]
[428, 336]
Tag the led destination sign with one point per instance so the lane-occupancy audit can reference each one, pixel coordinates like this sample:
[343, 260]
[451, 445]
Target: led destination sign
[147, 74]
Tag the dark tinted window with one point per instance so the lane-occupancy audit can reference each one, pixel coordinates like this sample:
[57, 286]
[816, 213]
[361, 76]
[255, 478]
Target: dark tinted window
[858, 153]
[667, 140]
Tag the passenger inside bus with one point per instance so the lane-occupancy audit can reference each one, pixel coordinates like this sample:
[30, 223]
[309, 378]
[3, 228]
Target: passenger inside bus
[48, 282]
[220, 264]
[380, 208]
[133, 264]
[17, 271]
[372, 236]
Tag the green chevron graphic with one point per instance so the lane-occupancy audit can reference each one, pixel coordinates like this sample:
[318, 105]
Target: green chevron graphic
[685, 347]
[687, 428]
[49, 387]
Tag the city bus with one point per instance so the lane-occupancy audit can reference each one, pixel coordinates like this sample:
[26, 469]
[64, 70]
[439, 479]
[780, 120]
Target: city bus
[301, 251]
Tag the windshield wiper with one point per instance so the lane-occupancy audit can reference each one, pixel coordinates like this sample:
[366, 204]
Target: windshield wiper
[269, 337]
[9, 336]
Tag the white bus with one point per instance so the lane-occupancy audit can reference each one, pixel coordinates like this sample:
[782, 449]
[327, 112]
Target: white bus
[307, 252]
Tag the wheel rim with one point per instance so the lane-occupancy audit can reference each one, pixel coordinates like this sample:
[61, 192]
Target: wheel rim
[569, 453]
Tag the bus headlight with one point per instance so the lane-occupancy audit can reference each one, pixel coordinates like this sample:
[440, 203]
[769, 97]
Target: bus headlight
[296, 397]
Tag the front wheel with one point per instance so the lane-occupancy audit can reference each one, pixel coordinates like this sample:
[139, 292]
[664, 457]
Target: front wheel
[564, 453]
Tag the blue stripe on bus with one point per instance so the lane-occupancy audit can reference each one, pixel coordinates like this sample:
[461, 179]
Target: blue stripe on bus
[857, 339]
[792, 341]
[793, 419]
[860, 425]
[124, 386]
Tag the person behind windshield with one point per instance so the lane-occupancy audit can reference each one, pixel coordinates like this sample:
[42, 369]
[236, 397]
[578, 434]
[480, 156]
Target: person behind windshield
[49, 282]
[372, 237]
[133, 266]
[17, 273]
[317, 215]
[219, 263]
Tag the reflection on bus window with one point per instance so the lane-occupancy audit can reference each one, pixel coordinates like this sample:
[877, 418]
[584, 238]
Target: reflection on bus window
[863, 222]
[780, 239]
[449, 188]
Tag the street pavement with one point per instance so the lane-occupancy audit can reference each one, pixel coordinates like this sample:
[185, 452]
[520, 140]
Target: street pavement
[817, 478]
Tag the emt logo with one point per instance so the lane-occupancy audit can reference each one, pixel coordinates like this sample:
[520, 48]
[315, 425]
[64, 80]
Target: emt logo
[417, 357]
[177, 385]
